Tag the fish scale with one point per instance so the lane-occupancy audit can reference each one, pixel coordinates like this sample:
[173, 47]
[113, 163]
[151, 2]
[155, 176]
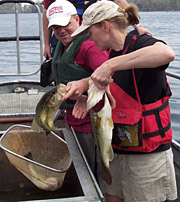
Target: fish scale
[47, 107]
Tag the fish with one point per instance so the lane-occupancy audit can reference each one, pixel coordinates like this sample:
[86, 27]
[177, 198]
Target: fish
[47, 109]
[43, 182]
[102, 126]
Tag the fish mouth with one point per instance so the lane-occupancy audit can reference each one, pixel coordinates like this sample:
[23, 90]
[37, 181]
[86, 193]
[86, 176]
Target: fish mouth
[61, 89]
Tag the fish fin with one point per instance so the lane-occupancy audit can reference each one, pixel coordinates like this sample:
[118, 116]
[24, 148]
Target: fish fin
[35, 126]
[111, 99]
[111, 154]
[47, 132]
[106, 174]
[43, 182]
[94, 95]
[56, 116]
[28, 155]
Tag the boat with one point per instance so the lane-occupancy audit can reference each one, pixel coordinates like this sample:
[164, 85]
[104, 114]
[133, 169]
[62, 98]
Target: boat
[18, 101]
[79, 183]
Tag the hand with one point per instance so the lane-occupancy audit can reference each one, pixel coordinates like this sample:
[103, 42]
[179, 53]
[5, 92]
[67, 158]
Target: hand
[102, 75]
[75, 89]
[47, 52]
[143, 30]
[80, 108]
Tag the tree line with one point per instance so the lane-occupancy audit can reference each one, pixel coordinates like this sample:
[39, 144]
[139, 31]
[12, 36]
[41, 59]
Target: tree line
[143, 5]
[22, 8]
[157, 5]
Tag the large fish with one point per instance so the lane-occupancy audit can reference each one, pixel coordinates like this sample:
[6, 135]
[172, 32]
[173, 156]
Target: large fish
[47, 108]
[41, 181]
[102, 125]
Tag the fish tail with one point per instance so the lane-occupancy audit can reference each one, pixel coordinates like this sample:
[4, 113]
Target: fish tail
[111, 154]
[35, 126]
[106, 174]
[43, 182]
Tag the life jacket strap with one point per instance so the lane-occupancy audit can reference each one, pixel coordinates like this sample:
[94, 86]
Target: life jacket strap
[150, 112]
[156, 133]
[161, 130]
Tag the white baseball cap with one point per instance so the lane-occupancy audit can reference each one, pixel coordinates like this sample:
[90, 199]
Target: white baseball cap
[60, 12]
[97, 12]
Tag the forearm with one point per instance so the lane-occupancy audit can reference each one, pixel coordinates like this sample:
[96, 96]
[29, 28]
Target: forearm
[75, 89]
[46, 31]
[121, 3]
[86, 83]
[148, 57]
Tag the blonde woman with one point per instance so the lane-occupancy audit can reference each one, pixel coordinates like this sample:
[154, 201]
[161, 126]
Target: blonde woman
[142, 168]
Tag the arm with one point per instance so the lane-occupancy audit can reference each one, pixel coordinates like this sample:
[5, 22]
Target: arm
[75, 89]
[88, 56]
[140, 28]
[47, 36]
[121, 3]
[148, 57]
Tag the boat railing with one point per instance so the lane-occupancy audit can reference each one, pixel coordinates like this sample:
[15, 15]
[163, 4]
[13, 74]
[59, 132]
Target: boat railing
[170, 74]
[19, 38]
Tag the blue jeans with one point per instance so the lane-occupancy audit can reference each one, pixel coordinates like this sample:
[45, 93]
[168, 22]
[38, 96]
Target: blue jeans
[53, 43]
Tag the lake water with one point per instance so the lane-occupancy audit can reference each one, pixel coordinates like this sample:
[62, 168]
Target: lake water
[163, 25]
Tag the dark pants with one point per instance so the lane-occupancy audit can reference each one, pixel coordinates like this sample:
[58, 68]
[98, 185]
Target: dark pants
[53, 43]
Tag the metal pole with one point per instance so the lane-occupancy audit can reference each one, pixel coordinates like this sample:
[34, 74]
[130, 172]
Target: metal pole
[173, 75]
[40, 32]
[88, 167]
[17, 39]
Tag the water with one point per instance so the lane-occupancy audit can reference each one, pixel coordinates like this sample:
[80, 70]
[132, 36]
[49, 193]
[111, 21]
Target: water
[163, 25]
[29, 50]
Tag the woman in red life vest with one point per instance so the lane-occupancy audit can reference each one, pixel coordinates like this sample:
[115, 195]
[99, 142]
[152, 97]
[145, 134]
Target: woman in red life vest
[142, 168]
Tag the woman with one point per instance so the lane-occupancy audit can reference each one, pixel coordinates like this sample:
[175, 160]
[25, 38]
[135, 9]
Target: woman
[142, 168]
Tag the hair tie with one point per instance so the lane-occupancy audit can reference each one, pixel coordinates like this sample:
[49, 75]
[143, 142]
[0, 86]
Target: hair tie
[123, 10]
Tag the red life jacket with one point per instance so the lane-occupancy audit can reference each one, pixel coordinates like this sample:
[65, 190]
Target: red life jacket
[154, 118]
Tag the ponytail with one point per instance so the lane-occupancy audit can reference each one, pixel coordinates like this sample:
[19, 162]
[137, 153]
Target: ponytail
[132, 14]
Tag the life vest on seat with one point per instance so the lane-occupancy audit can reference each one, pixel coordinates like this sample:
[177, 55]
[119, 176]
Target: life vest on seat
[153, 120]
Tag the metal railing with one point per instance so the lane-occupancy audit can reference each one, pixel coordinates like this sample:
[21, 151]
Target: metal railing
[173, 75]
[18, 38]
